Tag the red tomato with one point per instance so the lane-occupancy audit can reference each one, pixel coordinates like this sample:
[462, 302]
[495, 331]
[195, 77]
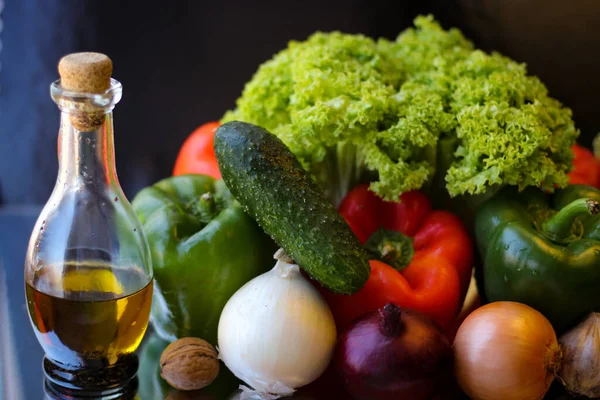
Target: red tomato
[197, 155]
[586, 168]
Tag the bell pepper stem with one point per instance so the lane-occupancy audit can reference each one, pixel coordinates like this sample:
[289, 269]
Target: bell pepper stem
[561, 226]
[392, 247]
[206, 207]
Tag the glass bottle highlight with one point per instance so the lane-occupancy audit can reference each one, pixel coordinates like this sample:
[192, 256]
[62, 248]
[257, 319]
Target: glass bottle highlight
[88, 272]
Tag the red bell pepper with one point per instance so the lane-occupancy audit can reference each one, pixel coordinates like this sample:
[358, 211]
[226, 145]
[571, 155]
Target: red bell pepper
[421, 259]
[586, 168]
[197, 155]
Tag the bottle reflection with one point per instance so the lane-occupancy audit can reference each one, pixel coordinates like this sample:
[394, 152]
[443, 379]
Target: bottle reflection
[123, 392]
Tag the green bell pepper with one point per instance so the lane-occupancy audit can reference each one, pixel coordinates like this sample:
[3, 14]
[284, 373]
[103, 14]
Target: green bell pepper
[543, 250]
[204, 247]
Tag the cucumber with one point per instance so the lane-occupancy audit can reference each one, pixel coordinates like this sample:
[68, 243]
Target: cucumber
[269, 182]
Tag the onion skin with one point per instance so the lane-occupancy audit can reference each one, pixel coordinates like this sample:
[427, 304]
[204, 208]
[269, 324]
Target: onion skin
[393, 353]
[580, 372]
[506, 350]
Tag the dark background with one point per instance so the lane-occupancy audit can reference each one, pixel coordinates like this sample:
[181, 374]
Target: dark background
[183, 63]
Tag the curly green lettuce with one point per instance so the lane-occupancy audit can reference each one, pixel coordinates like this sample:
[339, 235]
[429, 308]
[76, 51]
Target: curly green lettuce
[332, 100]
[348, 106]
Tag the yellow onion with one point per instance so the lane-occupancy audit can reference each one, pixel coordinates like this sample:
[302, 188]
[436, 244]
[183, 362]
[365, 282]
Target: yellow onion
[506, 350]
[580, 371]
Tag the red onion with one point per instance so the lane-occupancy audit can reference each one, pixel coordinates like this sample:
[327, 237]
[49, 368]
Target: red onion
[393, 353]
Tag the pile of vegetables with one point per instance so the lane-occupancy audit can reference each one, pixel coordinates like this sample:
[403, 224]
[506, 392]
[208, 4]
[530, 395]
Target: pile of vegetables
[340, 152]
[420, 258]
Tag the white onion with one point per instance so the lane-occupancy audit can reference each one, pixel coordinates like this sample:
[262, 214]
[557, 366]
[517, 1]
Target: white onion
[276, 333]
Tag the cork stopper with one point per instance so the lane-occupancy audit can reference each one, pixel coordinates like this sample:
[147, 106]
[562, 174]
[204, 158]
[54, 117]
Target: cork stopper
[85, 72]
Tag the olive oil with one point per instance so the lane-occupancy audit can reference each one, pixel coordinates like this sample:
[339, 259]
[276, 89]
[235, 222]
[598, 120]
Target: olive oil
[88, 268]
[85, 316]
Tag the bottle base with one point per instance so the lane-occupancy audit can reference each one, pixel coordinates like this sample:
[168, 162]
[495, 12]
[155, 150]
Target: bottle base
[117, 381]
[55, 392]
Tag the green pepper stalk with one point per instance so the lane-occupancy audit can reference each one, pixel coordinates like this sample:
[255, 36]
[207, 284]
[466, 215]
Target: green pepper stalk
[563, 226]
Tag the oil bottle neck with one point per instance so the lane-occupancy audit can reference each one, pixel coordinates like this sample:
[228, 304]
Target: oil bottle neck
[86, 158]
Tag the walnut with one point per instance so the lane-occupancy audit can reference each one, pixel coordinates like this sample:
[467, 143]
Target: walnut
[189, 364]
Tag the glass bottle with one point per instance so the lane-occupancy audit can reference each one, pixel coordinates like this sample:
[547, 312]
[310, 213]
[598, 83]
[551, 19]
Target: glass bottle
[88, 272]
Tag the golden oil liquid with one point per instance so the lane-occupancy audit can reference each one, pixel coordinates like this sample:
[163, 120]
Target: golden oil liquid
[84, 316]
